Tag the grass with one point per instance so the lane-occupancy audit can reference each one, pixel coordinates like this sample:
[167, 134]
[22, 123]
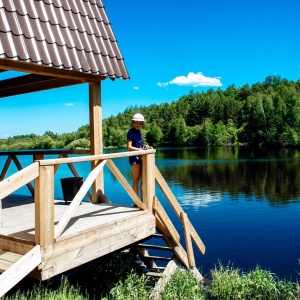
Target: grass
[114, 280]
[39, 292]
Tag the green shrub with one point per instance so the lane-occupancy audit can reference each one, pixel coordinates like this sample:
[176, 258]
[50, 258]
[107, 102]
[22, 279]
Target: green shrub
[229, 283]
[184, 286]
[134, 287]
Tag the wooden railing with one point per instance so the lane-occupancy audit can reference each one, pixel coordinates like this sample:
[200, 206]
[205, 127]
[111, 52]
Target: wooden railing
[43, 171]
[16, 181]
[165, 223]
[38, 154]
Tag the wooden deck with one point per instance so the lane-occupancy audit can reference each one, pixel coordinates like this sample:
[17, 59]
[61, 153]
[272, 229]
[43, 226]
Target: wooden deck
[43, 237]
[94, 230]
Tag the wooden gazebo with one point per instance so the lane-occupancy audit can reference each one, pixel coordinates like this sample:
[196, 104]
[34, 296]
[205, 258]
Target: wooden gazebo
[58, 43]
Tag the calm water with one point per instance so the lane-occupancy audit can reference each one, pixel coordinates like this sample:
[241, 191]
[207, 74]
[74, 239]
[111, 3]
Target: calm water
[245, 204]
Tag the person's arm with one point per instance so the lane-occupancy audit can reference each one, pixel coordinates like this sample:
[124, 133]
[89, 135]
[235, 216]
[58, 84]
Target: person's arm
[130, 147]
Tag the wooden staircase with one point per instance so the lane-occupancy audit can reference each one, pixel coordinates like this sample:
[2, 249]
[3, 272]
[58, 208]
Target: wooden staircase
[158, 261]
[166, 245]
[152, 255]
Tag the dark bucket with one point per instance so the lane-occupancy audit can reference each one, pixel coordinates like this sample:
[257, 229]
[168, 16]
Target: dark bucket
[70, 187]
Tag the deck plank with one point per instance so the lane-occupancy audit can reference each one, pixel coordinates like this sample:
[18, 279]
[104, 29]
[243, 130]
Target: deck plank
[18, 221]
[96, 229]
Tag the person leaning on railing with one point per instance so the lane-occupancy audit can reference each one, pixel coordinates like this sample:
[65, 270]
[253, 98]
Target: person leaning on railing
[135, 143]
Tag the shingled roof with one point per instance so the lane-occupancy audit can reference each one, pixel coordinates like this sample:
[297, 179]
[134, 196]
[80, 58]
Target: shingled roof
[68, 35]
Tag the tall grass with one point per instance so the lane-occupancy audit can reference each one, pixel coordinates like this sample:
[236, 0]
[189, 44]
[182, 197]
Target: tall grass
[114, 280]
[39, 292]
[229, 283]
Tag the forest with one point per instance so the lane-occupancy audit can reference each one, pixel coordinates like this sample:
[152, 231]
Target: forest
[263, 114]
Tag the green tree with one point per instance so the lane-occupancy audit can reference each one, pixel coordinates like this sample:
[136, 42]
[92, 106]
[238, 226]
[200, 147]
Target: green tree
[154, 135]
[206, 135]
[176, 132]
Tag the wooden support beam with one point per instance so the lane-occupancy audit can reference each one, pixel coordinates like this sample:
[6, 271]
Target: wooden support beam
[19, 166]
[198, 275]
[9, 64]
[44, 206]
[148, 180]
[125, 184]
[188, 239]
[163, 216]
[5, 168]
[96, 136]
[1, 218]
[32, 83]
[78, 198]
[38, 156]
[162, 282]
[20, 269]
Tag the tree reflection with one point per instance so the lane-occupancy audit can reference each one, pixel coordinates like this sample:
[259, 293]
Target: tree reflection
[260, 173]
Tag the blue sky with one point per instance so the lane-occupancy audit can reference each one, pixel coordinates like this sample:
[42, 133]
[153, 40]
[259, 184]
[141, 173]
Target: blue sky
[171, 47]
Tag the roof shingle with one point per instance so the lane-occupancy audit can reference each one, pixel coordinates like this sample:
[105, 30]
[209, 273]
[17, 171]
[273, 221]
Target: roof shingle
[68, 34]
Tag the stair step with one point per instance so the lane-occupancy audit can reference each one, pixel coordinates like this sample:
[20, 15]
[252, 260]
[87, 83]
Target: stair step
[158, 269]
[154, 274]
[7, 259]
[157, 235]
[155, 247]
[157, 258]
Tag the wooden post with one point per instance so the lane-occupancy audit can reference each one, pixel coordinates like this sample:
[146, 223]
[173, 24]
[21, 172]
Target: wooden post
[96, 136]
[1, 218]
[188, 239]
[44, 206]
[148, 180]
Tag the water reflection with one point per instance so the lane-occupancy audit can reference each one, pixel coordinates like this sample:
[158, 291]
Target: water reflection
[196, 201]
[271, 175]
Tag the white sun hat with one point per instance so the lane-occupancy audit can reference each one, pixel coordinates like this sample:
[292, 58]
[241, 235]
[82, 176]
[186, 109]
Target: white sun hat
[138, 117]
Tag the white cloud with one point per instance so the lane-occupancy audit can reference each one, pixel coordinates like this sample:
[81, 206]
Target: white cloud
[136, 88]
[193, 79]
[69, 104]
[161, 84]
[7, 135]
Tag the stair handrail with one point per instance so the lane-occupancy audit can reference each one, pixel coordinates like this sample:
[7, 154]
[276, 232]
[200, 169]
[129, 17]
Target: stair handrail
[189, 230]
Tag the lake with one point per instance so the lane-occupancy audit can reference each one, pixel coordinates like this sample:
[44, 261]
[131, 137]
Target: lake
[245, 204]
